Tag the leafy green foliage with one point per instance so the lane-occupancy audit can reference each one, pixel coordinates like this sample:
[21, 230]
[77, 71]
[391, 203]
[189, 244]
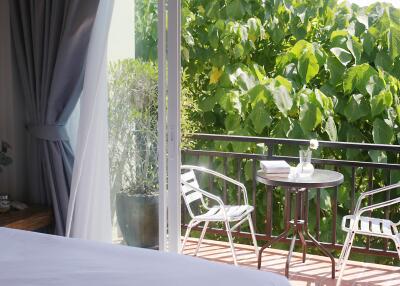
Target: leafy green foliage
[133, 126]
[322, 65]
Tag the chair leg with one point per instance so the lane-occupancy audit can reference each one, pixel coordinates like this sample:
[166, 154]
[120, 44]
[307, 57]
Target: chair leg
[397, 244]
[229, 233]
[345, 257]
[344, 250]
[203, 232]
[253, 236]
[186, 236]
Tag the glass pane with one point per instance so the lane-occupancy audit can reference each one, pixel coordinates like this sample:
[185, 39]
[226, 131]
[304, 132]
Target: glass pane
[133, 96]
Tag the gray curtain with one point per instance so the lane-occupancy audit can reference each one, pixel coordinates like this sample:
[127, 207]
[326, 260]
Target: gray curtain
[50, 39]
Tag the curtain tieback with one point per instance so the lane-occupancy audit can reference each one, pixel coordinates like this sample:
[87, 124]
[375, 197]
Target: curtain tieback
[48, 132]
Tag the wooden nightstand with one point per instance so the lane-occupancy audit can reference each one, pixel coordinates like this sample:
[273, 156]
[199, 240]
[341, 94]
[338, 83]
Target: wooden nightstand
[32, 218]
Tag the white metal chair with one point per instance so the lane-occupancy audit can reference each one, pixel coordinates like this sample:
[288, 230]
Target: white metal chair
[227, 214]
[358, 224]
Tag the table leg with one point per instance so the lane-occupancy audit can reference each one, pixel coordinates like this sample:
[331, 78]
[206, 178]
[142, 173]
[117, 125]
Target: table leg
[304, 244]
[297, 229]
[283, 235]
[302, 217]
[314, 241]
[268, 244]
[290, 254]
[323, 250]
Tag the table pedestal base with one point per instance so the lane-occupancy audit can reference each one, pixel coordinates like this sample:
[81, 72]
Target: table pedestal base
[298, 226]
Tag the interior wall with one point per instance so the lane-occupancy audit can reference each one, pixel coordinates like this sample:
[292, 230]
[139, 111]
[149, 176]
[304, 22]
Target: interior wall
[12, 117]
[121, 37]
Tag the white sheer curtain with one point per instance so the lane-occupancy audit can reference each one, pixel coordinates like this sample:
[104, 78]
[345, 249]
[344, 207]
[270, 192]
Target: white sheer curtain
[89, 214]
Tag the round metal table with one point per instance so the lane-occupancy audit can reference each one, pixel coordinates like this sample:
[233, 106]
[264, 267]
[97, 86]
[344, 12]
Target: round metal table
[299, 224]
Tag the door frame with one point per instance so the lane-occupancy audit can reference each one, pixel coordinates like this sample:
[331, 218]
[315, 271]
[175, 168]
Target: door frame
[169, 124]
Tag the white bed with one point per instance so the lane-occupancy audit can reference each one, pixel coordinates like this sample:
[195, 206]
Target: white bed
[28, 258]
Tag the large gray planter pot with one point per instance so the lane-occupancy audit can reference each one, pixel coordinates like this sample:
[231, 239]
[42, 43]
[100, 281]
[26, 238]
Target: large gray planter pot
[137, 217]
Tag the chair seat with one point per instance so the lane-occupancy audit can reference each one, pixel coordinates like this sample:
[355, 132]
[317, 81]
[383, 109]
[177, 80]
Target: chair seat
[371, 226]
[234, 213]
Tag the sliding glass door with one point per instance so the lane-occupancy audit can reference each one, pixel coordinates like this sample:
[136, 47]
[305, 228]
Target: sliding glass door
[133, 119]
[144, 107]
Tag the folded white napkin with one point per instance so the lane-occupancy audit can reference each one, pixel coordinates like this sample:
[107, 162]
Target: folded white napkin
[275, 166]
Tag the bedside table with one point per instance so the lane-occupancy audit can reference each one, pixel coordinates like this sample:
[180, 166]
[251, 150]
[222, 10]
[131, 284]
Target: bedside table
[31, 218]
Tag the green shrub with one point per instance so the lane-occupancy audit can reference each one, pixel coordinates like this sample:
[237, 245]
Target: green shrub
[133, 98]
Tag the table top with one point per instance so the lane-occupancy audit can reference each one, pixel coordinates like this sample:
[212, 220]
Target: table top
[320, 179]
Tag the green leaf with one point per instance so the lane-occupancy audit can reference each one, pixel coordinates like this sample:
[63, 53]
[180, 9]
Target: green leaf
[374, 85]
[258, 95]
[322, 101]
[242, 79]
[213, 37]
[310, 116]
[363, 19]
[381, 102]
[235, 9]
[339, 38]
[283, 81]
[260, 73]
[281, 128]
[307, 62]
[368, 43]
[336, 70]
[276, 30]
[394, 41]
[355, 47]
[384, 61]
[230, 102]
[307, 66]
[282, 98]
[330, 129]
[342, 55]
[326, 203]
[238, 51]
[207, 103]
[212, 9]
[378, 156]
[260, 117]
[319, 53]
[395, 176]
[356, 108]
[382, 132]
[232, 122]
[357, 77]
[248, 170]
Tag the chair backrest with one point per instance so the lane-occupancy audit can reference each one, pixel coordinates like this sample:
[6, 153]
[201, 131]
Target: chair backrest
[189, 194]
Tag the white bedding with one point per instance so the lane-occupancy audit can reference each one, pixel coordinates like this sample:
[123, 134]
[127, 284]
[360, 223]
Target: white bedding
[28, 258]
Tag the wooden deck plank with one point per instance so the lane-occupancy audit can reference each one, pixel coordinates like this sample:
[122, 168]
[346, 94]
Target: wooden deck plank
[316, 271]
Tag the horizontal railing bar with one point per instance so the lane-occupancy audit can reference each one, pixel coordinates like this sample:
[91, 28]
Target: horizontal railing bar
[275, 141]
[328, 245]
[292, 159]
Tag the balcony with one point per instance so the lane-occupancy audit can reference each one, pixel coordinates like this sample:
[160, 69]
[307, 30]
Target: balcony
[326, 207]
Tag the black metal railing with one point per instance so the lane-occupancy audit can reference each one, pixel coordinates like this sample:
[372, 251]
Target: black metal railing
[327, 206]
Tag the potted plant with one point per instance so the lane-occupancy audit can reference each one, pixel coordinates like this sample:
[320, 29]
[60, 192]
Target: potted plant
[5, 160]
[133, 150]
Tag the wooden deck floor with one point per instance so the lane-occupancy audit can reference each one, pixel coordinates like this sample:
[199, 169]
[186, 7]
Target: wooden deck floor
[316, 270]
